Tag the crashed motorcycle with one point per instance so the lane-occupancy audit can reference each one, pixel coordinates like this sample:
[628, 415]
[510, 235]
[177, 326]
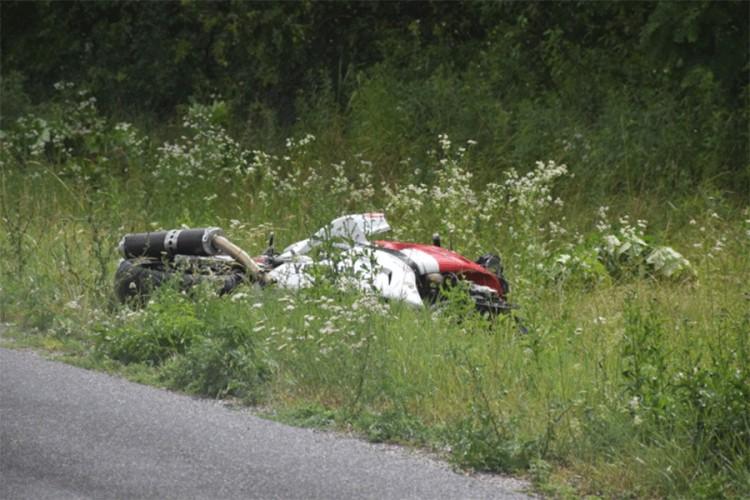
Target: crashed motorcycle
[415, 273]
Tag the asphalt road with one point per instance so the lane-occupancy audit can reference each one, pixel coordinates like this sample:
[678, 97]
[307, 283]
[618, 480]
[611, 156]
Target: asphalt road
[71, 433]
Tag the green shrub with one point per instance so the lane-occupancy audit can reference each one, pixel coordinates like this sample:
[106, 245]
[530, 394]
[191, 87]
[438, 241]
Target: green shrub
[483, 443]
[216, 366]
[166, 327]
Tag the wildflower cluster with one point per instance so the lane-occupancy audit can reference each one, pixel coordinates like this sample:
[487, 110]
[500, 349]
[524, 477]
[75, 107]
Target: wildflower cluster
[624, 251]
[324, 324]
[294, 177]
[449, 206]
[511, 210]
[354, 191]
[209, 153]
[712, 234]
[529, 202]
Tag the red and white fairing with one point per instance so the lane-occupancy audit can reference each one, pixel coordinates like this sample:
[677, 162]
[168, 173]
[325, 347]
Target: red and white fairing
[435, 259]
[391, 268]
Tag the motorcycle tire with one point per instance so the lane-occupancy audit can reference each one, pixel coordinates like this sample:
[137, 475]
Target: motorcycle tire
[135, 279]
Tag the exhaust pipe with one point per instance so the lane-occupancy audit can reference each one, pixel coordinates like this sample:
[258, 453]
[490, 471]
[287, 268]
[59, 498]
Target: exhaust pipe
[205, 242]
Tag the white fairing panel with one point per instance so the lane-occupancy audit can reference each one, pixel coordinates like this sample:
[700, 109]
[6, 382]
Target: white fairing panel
[295, 249]
[293, 274]
[366, 269]
[424, 261]
[360, 266]
[353, 229]
[396, 280]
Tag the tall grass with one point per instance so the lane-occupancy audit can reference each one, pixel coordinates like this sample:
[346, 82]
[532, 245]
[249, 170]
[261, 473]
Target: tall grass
[633, 378]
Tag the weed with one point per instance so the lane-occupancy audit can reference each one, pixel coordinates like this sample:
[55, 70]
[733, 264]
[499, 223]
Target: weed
[167, 327]
[392, 426]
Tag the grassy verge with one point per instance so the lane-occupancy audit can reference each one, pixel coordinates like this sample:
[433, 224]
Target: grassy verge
[633, 380]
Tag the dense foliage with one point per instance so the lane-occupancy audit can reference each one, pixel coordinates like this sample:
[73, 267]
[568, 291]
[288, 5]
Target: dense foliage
[635, 95]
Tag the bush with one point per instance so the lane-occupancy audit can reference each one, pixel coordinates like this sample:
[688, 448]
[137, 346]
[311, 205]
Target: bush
[167, 327]
[217, 366]
[482, 443]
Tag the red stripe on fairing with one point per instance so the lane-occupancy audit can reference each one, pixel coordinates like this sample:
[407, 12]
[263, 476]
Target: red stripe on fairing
[451, 262]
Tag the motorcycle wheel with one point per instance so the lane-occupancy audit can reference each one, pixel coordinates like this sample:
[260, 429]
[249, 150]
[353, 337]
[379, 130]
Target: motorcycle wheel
[135, 279]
